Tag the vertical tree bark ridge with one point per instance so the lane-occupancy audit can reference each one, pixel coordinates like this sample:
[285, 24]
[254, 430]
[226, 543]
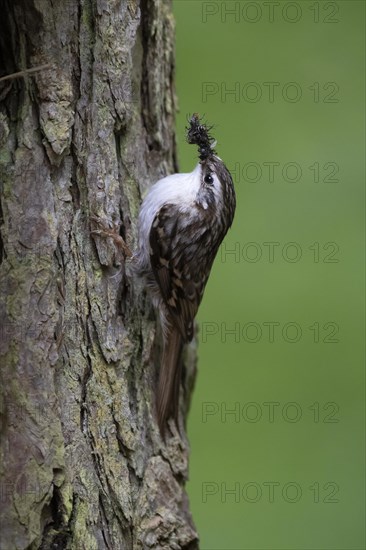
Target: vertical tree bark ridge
[83, 464]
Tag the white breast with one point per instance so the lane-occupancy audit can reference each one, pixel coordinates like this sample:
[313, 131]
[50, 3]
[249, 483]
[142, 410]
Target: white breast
[179, 189]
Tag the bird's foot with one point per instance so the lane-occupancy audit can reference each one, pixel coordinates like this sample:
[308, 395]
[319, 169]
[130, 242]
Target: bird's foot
[103, 230]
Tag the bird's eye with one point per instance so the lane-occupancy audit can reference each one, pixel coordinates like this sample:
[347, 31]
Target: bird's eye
[208, 179]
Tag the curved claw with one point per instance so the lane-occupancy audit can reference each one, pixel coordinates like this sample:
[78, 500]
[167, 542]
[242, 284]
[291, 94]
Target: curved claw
[113, 233]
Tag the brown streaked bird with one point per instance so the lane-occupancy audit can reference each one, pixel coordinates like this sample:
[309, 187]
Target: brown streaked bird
[182, 222]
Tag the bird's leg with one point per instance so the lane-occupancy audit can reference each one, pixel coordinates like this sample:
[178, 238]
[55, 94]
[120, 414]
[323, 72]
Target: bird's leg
[103, 230]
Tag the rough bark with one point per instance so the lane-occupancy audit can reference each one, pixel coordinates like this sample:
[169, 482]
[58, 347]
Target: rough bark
[83, 464]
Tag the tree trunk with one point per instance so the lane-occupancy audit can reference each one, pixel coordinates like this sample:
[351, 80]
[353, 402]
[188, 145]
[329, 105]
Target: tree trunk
[83, 463]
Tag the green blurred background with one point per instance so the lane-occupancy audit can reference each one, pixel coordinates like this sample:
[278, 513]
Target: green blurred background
[292, 453]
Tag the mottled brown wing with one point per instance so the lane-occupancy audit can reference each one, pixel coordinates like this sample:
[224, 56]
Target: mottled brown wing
[180, 262]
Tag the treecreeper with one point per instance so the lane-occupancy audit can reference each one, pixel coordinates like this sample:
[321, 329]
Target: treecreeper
[182, 222]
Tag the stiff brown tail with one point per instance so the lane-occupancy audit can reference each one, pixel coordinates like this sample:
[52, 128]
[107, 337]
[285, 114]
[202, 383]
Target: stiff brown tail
[169, 379]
